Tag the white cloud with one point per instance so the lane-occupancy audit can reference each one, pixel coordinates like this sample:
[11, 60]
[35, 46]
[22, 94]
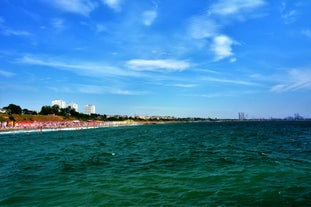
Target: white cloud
[83, 7]
[306, 32]
[236, 82]
[290, 16]
[149, 17]
[100, 28]
[97, 89]
[10, 32]
[156, 65]
[222, 47]
[232, 60]
[210, 95]
[126, 92]
[94, 69]
[233, 7]
[201, 27]
[113, 4]
[210, 25]
[295, 79]
[18, 87]
[6, 74]
[90, 89]
[58, 24]
[184, 85]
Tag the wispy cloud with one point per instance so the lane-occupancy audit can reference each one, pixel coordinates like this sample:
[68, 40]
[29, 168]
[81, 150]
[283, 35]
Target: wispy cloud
[148, 17]
[295, 80]
[234, 7]
[221, 94]
[18, 87]
[6, 74]
[306, 32]
[100, 28]
[209, 95]
[113, 4]
[10, 32]
[58, 24]
[230, 81]
[210, 26]
[289, 17]
[157, 65]
[289, 14]
[83, 7]
[85, 68]
[201, 27]
[127, 92]
[181, 85]
[97, 89]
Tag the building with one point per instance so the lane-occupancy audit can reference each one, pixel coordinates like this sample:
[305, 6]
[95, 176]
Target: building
[298, 117]
[89, 109]
[241, 116]
[60, 103]
[73, 106]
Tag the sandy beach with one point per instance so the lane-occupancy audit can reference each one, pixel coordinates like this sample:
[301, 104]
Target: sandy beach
[28, 127]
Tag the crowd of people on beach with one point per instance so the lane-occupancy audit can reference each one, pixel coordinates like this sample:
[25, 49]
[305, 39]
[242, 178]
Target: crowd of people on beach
[10, 125]
[36, 125]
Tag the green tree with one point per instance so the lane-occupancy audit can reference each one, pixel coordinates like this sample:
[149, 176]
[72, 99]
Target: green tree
[45, 110]
[13, 109]
[73, 112]
[26, 111]
[56, 109]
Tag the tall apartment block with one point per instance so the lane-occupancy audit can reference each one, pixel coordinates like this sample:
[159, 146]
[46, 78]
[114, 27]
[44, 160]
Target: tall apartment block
[89, 109]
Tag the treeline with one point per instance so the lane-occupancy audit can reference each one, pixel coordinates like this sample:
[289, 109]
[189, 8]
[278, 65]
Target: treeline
[65, 112]
[71, 113]
[51, 110]
[15, 109]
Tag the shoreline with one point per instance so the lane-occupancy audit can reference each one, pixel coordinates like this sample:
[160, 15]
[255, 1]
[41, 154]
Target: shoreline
[60, 126]
[40, 127]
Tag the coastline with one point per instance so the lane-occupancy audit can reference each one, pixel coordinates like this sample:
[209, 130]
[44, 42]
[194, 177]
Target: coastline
[40, 127]
[50, 126]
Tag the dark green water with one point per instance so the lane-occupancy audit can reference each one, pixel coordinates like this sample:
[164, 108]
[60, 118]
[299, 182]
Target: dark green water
[190, 164]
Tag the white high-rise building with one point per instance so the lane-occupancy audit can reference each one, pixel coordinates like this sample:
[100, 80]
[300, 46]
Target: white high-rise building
[73, 106]
[89, 109]
[241, 116]
[60, 103]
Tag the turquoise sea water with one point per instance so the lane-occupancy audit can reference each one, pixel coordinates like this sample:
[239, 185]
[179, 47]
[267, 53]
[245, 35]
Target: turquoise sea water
[185, 164]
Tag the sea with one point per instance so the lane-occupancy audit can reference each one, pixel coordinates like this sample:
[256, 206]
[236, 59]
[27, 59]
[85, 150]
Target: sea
[178, 164]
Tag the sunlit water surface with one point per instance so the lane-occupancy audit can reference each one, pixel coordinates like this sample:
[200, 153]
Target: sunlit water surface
[185, 164]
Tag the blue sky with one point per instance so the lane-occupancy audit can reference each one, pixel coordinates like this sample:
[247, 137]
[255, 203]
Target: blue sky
[158, 57]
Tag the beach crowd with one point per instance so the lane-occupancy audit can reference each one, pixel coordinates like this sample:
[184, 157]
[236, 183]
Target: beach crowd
[36, 125]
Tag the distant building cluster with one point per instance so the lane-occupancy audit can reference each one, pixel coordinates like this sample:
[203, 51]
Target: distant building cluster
[295, 117]
[73, 105]
[60, 103]
[143, 117]
[241, 116]
[88, 109]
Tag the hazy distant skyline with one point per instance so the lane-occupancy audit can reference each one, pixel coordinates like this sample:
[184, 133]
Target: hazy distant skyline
[155, 57]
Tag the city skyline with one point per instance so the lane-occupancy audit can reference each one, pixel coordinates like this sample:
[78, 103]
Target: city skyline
[186, 59]
[88, 108]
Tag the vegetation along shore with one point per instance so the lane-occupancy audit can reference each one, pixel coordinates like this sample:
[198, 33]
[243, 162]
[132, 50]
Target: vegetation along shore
[13, 117]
